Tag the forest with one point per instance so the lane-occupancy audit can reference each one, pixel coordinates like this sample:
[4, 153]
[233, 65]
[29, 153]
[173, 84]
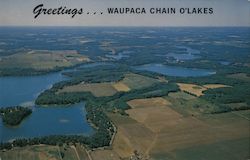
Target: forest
[14, 115]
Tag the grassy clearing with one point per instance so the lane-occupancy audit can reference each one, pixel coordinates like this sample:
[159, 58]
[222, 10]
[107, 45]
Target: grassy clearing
[43, 59]
[222, 150]
[181, 95]
[121, 87]
[136, 81]
[237, 149]
[97, 89]
[69, 153]
[190, 105]
[240, 76]
[104, 155]
[41, 152]
[149, 102]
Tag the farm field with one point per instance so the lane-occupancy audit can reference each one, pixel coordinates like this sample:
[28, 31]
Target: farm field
[121, 87]
[160, 132]
[43, 59]
[136, 81]
[198, 90]
[129, 82]
[97, 89]
[41, 152]
[240, 76]
[46, 152]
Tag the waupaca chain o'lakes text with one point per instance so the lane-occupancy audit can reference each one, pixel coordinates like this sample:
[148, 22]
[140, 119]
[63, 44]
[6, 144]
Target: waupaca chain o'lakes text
[160, 10]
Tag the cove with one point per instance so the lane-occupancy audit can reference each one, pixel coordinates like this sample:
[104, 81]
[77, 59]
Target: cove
[44, 121]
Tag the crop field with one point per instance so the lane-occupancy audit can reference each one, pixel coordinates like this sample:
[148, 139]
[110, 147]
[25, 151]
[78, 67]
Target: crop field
[46, 152]
[149, 102]
[130, 81]
[81, 152]
[192, 88]
[161, 132]
[104, 154]
[43, 59]
[198, 90]
[121, 87]
[212, 86]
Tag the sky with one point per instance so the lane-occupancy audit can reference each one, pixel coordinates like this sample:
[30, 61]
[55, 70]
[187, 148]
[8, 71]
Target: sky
[226, 13]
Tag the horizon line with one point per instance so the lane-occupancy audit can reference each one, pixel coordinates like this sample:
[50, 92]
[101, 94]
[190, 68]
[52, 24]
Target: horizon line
[117, 26]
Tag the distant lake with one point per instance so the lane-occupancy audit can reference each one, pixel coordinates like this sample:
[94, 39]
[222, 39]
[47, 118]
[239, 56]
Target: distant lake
[187, 56]
[44, 120]
[175, 71]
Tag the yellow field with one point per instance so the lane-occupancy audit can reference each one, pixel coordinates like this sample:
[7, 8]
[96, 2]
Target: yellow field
[121, 87]
[198, 90]
[212, 86]
[192, 88]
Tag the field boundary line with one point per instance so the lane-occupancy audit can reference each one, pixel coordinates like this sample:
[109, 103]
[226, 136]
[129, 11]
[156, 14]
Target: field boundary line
[59, 152]
[77, 155]
[241, 116]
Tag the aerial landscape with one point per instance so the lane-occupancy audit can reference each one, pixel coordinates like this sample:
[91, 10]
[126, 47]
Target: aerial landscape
[124, 93]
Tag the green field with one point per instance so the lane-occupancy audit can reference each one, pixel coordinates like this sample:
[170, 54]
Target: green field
[39, 61]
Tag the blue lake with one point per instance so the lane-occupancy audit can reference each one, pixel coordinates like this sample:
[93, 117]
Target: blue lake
[175, 71]
[44, 120]
[57, 120]
[182, 56]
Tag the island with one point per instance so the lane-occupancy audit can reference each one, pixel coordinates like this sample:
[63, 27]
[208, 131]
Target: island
[13, 116]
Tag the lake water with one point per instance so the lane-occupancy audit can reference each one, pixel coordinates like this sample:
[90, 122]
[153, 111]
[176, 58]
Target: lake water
[189, 54]
[59, 120]
[43, 121]
[184, 57]
[175, 71]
